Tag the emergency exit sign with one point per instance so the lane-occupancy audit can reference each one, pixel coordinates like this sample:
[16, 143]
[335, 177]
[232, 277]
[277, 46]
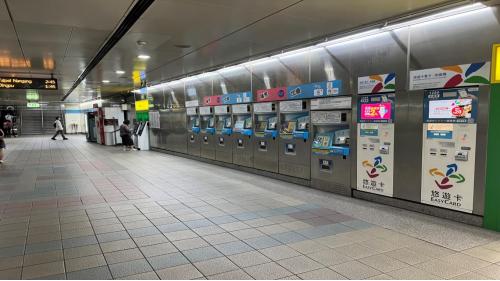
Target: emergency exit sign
[28, 83]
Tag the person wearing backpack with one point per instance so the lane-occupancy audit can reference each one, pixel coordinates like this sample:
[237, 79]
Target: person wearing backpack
[59, 128]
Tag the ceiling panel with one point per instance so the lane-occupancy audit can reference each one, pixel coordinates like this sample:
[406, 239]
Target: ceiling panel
[57, 36]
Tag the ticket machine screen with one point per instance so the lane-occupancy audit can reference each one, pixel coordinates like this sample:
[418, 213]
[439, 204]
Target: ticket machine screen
[271, 123]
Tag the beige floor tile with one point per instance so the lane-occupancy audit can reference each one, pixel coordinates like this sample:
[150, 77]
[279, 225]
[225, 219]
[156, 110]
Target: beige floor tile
[268, 271]
[431, 250]
[355, 270]
[44, 257]
[84, 263]
[321, 274]
[231, 275]
[383, 263]
[491, 271]
[249, 259]
[484, 254]
[408, 256]
[380, 277]
[123, 256]
[300, 264]
[215, 266]
[83, 251]
[11, 274]
[181, 272]
[441, 268]
[117, 245]
[464, 261]
[307, 246]
[11, 262]
[471, 276]
[280, 252]
[142, 276]
[42, 270]
[356, 251]
[380, 245]
[329, 257]
[335, 241]
[412, 273]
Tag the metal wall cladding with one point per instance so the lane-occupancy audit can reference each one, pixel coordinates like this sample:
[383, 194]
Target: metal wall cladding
[459, 39]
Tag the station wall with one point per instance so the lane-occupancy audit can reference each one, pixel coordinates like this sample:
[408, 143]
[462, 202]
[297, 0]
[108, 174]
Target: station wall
[460, 39]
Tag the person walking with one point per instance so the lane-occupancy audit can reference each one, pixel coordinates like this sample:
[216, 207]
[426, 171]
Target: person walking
[126, 135]
[2, 145]
[59, 128]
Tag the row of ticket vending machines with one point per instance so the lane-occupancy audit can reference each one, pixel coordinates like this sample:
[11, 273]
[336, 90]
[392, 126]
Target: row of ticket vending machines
[300, 138]
[312, 138]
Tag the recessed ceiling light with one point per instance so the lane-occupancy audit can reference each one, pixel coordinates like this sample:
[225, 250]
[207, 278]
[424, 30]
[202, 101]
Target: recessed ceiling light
[141, 43]
[143, 57]
[120, 72]
[105, 81]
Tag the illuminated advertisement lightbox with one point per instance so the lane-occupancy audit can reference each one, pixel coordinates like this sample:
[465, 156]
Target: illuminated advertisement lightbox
[376, 111]
[450, 109]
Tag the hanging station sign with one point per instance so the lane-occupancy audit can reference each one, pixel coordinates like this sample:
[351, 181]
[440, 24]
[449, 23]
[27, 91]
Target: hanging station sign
[28, 83]
[379, 83]
[451, 76]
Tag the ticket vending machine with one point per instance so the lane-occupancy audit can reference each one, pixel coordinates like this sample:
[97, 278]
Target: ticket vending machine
[449, 147]
[294, 144]
[223, 134]
[242, 134]
[193, 128]
[265, 143]
[330, 158]
[207, 132]
[375, 144]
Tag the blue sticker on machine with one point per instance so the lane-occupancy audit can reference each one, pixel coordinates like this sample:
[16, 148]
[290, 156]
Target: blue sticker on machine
[235, 98]
[315, 90]
[457, 105]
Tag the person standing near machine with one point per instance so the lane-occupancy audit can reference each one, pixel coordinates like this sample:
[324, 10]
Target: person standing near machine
[126, 135]
[59, 129]
[2, 145]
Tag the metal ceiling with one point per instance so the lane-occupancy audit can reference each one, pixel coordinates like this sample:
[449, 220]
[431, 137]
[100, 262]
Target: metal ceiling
[214, 32]
[53, 36]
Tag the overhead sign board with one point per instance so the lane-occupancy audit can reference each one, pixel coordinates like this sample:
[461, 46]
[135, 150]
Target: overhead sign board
[452, 76]
[28, 83]
[315, 90]
[379, 83]
[142, 105]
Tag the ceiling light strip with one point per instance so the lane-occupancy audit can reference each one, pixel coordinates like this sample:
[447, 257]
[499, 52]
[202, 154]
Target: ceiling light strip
[349, 38]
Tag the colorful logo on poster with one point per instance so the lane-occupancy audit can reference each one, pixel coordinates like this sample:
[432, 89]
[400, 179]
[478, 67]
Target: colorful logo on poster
[376, 111]
[382, 83]
[443, 181]
[374, 169]
[466, 76]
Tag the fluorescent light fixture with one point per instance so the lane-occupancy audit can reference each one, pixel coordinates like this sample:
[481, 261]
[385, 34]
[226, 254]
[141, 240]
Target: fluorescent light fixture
[143, 57]
[120, 72]
[351, 38]
[105, 81]
[460, 11]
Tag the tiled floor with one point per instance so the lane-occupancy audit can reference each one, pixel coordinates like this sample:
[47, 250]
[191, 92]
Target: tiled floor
[74, 210]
